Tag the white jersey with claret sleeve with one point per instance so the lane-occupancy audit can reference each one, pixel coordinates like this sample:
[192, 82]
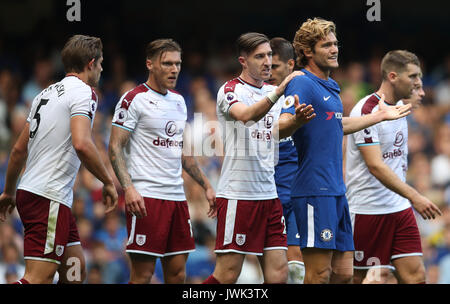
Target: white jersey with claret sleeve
[52, 163]
[251, 151]
[365, 193]
[153, 153]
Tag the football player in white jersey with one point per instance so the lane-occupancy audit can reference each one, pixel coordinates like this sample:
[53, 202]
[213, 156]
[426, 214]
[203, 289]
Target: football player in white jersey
[146, 152]
[249, 214]
[385, 231]
[56, 136]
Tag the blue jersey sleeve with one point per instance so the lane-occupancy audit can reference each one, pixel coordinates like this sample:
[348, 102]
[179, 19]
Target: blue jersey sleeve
[297, 86]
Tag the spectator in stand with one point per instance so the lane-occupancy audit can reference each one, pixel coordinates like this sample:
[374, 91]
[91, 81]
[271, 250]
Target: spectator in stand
[113, 270]
[42, 77]
[10, 267]
[440, 164]
[113, 234]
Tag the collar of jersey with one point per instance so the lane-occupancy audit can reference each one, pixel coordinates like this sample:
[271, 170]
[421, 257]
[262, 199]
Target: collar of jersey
[148, 87]
[379, 97]
[245, 82]
[329, 83]
[73, 75]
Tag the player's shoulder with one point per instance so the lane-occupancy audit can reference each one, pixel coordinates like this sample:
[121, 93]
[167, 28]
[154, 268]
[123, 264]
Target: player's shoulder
[301, 81]
[173, 94]
[229, 91]
[76, 88]
[75, 83]
[230, 86]
[237, 85]
[268, 87]
[133, 95]
[366, 105]
[308, 77]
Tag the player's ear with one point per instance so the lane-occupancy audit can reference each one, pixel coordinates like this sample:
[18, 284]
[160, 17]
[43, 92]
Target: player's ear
[308, 52]
[91, 64]
[149, 64]
[392, 76]
[291, 64]
[242, 61]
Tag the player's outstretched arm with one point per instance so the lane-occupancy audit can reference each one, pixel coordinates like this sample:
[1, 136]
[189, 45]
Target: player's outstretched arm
[191, 167]
[373, 159]
[287, 124]
[88, 154]
[134, 202]
[16, 162]
[258, 110]
[385, 112]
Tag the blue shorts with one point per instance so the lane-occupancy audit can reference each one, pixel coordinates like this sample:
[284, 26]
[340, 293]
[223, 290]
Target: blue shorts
[293, 237]
[324, 222]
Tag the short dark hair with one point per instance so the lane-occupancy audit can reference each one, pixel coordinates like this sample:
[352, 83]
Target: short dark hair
[397, 61]
[79, 50]
[248, 42]
[282, 48]
[159, 46]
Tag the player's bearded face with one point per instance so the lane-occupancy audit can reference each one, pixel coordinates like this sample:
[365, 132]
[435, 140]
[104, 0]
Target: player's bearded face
[259, 62]
[95, 73]
[326, 52]
[166, 69]
[407, 81]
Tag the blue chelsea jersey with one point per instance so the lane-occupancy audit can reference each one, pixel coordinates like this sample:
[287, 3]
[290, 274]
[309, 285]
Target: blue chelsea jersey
[319, 142]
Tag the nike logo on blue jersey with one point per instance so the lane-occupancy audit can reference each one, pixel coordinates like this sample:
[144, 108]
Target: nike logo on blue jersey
[326, 98]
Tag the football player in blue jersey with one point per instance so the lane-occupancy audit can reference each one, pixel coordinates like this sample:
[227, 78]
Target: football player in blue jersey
[283, 63]
[318, 190]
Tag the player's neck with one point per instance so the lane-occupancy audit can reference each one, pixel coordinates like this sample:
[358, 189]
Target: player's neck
[317, 71]
[388, 91]
[155, 86]
[250, 80]
[82, 76]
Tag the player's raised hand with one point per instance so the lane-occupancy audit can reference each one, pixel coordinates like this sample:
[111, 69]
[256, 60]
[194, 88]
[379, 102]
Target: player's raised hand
[211, 197]
[393, 112]
[280, 89]
[134, 202]
[303, 113]
[7, 205]
[427, 209]
[110, 197]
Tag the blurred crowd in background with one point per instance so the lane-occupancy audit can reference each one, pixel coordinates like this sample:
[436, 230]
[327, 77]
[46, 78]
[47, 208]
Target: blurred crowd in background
[103, 237]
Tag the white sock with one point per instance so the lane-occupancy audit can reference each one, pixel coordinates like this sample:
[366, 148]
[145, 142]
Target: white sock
[296, 272]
